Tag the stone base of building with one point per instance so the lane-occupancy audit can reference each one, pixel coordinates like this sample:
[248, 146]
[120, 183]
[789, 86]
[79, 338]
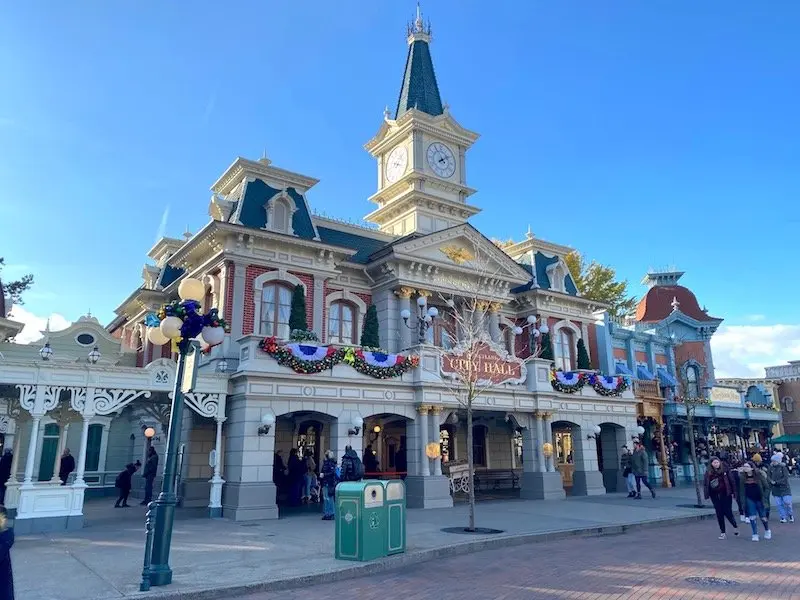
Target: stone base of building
[250, 501]
[195, 493]
[587, 483]
[47, 524]
[542, 486]
[215, 512]
[428, 492]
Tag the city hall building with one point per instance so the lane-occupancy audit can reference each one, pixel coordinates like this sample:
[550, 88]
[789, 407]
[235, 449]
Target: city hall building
[544, 428]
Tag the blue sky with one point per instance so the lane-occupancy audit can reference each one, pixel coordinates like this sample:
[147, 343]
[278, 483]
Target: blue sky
[645, 134]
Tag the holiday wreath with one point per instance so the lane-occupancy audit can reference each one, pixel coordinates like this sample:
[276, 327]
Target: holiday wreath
[608, 385]
[302, 357]
[568, 383]
[379, 364]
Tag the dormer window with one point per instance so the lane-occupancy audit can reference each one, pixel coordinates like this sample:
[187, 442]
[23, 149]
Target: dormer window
[280, 216]
[280, 209]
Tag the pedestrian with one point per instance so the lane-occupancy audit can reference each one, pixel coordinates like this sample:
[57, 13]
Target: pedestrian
[627, 473]
[66, 467]
[755, 490]
[310, 475]
[5, 472]
[639, 468]
[779, 480]
[370, 462]
[149, 474]
[352, 467]
[718, 486]
[328, 482]
[6, 542]
[295, 478]
[123, 484]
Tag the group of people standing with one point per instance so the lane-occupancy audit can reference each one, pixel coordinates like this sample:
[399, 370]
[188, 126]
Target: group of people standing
[634, 470]
[750, 484]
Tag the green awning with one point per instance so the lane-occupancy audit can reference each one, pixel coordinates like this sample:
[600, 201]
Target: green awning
[787, 439]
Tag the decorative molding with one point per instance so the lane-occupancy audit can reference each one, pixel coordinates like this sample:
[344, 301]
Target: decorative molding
[205, 405]
[112, 400]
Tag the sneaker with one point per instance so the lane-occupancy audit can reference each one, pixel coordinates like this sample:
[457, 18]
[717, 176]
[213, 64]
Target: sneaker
[784, 521]
[736, 533]
[768, 534]
[653, 492]
[755, 537]
[744, 518]
[791, 519]
[723, 536]
[638, 496]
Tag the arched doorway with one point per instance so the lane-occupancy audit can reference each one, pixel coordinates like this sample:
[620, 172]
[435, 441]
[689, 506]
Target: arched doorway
[566, 436]
[609, 455]
[385, 454]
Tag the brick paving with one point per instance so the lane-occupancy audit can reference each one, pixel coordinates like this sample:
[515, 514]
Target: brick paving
[643, 565]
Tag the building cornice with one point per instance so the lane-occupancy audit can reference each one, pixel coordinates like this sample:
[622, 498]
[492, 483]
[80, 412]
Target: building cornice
[261, 169]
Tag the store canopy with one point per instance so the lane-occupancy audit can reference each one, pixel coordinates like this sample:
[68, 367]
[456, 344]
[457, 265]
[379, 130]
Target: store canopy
[644, 373]
[666, 378]
[622, 369]
[793, 438]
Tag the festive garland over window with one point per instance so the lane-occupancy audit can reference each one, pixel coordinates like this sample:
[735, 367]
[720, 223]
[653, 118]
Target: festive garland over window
[379, 364]
[704, 401]
[567, 383]
[759, 406]
[608, 385]
[303, 358]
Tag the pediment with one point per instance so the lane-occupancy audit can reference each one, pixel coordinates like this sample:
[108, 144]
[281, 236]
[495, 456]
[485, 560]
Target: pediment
[448, 123]
[464, 247]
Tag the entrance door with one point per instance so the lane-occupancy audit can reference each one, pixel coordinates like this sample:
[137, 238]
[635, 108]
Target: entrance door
[308, 438]
[49, 451]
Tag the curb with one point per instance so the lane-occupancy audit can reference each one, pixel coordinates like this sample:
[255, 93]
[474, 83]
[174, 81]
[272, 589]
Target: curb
[412, 558]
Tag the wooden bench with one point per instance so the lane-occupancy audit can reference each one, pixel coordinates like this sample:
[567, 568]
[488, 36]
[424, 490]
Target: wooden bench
[496, 478]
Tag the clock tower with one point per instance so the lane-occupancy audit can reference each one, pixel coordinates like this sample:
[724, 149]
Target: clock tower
[421, 152]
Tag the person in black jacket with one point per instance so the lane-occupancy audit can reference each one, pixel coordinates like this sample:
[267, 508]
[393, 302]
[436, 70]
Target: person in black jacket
[149, 474]
[67, 466]
[5, 472]
[6, 542]
[123, 484]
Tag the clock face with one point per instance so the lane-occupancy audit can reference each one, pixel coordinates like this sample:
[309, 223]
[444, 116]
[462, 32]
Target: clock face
[441, 160]
[396, 163]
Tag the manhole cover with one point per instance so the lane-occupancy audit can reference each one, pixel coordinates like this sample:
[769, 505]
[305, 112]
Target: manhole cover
[712, 581]
[477, 530]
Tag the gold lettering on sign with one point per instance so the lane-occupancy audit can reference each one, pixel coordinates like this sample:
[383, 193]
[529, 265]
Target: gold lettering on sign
[482, 363]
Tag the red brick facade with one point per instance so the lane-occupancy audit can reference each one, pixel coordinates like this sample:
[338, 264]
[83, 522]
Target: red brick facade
[252, 273]
[366, 297]
[228, 312]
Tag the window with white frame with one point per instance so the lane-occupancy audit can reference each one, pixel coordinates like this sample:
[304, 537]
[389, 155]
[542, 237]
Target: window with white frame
[276, 305]
[280, 216]
[692, 383]
[563, 349]
[342, 323]
[440, 333]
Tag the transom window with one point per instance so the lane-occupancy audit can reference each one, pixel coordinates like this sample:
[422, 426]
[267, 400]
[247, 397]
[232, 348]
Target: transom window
[692, 387]
[341, 323]
[276, 304]
[563, 350]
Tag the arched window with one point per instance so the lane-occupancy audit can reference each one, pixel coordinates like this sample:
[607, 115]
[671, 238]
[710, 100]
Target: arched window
[563, 349]
[692, 387]
[280, 216]
[342, 323]
[479, 445]
[276, 304]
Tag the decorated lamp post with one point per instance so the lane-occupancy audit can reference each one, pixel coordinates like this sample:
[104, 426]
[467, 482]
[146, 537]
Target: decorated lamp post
[180, 323]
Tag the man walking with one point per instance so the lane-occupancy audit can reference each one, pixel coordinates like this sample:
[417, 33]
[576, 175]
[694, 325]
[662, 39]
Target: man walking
[627, 472]
[639, 467]
[149, 474]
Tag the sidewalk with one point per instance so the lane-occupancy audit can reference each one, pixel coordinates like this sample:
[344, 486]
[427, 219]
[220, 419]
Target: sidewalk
[104, 559]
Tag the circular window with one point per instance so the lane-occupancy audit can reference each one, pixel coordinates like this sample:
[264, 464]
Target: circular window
[85, 339]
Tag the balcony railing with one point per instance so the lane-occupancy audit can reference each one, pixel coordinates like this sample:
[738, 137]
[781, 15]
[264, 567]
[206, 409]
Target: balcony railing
[646, 389]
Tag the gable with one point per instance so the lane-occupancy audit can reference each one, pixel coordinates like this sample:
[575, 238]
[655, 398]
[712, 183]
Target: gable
[546, 269]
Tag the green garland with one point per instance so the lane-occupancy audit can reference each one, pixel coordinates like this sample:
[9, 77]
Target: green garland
[285, 358]
[355, 358]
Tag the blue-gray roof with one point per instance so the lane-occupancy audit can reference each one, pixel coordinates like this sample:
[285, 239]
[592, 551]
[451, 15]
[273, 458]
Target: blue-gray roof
[542, 279]
[364, 246]
[168, 275]
[419, 89]
[251, 211]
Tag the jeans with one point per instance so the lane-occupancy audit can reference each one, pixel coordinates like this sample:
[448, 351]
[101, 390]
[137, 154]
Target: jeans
[327, 502]
[723, 506]
[784, 504]
[308, 483]
[756, 510]
[640, 479]
[630, 481]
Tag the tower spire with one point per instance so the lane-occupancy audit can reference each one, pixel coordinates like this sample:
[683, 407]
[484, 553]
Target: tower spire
[419, 89]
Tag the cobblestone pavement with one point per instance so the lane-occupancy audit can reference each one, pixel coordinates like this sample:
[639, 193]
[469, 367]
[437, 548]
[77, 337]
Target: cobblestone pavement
[654, 563]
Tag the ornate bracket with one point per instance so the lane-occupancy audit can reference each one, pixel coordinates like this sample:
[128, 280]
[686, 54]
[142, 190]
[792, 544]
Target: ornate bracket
[111, 400]
[205, 405]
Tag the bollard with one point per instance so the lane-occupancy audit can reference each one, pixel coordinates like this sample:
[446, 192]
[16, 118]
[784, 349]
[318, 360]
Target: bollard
[148, 547]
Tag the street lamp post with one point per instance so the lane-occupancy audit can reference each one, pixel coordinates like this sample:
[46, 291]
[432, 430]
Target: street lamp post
[424, 318]
[181, 324]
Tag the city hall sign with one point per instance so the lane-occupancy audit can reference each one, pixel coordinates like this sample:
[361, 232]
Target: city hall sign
[484, 363]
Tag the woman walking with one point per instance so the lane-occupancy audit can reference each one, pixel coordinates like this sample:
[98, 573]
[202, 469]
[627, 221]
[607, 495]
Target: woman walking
[755, 492]
[719, 488]
[779, 480]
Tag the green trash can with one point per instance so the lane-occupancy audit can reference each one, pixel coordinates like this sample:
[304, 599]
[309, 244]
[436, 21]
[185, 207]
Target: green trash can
[361, 524]
[396, 515]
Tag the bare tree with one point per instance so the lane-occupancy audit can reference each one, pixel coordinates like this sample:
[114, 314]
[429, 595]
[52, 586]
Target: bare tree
[691, 403]
[465, 375]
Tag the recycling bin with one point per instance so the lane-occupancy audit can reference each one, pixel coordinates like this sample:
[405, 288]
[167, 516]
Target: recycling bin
[396, 516]
[361, 523]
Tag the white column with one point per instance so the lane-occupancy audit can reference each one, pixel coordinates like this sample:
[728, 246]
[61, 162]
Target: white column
[540, 440]
[494, 322]
[404, 297]
[215, 500]
[532, 458]
[237, 310]
[16, 451]
[318, 304]
[81, 468]
[551, 437]
[434, 433]
[31, 458]
[422, 429]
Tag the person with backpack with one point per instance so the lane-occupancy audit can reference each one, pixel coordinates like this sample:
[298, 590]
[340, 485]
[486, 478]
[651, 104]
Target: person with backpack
[328, 480]
[123, 484]
[352, 467]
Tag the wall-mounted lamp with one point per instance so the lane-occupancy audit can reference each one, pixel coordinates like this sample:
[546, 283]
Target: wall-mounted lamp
[94, 355]
[46, 352]
[267, 421]
[596, 433]
[358, 423]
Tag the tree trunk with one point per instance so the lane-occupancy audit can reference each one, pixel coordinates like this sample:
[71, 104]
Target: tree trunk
[471, 468]
[692, 450]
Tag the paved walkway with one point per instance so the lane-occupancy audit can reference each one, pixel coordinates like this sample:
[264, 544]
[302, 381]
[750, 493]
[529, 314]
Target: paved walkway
[654, 563]
[104, 559]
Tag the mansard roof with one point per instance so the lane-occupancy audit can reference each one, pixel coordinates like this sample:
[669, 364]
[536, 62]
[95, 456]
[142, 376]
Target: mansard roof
[363, 245]
[542, 279]
[250, 210]
[657, 304]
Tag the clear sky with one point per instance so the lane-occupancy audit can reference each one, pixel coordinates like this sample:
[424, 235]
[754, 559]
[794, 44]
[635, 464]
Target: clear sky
[646, 134]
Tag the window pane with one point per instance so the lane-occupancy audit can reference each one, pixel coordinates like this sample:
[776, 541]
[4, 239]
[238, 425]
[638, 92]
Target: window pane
[93, 442]
[347, 323]
[284, 310]
[280, 214]
[333, 322]
[267, 310]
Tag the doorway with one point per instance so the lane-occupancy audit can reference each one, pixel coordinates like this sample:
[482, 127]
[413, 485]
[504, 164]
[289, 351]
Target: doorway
[49, 451]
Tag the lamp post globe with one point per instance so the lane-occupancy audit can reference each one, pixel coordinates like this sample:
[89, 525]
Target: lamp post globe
[517, 330]
[544, 329]
[531, 319]
[433, 312]
[422, 301]
[405, 314]
[171, 327]
[192, 289]
[156, 337]
[213, 336]
[640, 430]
